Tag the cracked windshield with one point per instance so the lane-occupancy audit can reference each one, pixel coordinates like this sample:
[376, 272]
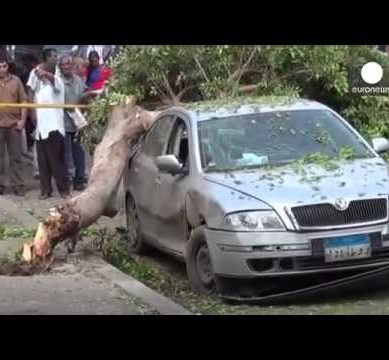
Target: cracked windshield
[275, 138]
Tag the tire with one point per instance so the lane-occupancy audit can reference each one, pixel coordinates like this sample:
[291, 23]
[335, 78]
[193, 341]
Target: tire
[133, 242]
[199, 265]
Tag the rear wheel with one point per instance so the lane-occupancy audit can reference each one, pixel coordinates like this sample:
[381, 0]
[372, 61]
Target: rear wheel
[133, 242]
[199, 264]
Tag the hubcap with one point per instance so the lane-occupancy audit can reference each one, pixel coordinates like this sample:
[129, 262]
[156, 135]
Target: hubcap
[204, 265]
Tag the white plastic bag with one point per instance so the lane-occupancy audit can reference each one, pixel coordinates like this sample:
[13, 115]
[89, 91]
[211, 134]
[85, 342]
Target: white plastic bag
[79, 119]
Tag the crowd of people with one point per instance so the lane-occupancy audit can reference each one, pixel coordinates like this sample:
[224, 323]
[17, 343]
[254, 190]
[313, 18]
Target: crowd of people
[56, 147]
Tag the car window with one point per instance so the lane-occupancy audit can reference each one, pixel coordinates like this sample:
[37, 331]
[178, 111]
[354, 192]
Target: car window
[178, 142]
[156, 138]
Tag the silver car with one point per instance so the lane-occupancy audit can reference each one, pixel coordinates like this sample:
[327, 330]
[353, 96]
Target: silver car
[260, 189]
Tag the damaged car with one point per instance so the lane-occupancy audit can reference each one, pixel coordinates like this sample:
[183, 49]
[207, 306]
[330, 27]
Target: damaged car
[258, 189]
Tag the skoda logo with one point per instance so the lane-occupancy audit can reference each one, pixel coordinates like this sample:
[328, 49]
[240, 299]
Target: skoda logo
[341, 204]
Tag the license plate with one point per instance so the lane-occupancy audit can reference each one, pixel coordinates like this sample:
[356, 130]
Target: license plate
[347, 248]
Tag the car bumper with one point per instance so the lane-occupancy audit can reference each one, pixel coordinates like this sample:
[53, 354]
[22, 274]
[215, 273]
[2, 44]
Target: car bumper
[255, 255]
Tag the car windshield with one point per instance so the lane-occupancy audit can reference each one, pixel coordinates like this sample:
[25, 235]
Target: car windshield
[274, 138]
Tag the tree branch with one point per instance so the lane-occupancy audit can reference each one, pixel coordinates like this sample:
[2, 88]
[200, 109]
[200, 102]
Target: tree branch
[201, 68]
[183, 91]
[297, 72]
[249, 88]
[237, 75]
[126, 123]
[161, 94]
[170, 91]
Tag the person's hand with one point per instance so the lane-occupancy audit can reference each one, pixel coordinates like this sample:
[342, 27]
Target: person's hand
[40, 72]
[87, 96]
[20, 125]
[46, 74]
[90, 93]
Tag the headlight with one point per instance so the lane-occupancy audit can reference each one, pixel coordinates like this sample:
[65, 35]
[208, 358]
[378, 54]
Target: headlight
[252, 221]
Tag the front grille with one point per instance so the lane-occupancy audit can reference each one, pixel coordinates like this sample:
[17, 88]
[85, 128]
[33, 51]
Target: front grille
[359, 211]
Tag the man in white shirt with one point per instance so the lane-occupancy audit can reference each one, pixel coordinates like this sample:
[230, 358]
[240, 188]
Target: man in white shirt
[48, 88]
[50, 60]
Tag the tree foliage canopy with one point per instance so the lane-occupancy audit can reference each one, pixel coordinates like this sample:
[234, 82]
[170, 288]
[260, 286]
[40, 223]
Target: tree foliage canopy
[161, 75]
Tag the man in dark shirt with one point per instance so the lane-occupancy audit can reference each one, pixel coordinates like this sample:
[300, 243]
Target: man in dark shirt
[75, 93]
[12, 122]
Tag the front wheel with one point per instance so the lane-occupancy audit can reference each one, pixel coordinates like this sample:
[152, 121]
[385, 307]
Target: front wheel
[134, 242]
[199, 264]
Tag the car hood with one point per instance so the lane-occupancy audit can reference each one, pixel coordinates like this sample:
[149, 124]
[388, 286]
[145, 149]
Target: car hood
[311, 184]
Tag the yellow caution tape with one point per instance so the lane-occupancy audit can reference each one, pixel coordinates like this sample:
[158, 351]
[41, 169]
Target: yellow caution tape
[43, 106]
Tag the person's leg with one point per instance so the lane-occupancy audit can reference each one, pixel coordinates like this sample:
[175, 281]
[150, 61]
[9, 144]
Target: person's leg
[29, 134]
[58, 161]
[79, 162]
[35, 161]
[2, 160]
[42, 150]
[13, 139]
[69, 155]
[23, 138]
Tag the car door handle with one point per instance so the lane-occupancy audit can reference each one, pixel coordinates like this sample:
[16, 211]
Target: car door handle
[158, 181]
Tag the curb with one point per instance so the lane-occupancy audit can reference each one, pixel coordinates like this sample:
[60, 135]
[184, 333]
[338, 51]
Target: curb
[135, 288]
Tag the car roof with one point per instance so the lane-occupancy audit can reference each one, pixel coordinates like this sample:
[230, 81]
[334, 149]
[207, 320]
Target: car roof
[202, 111]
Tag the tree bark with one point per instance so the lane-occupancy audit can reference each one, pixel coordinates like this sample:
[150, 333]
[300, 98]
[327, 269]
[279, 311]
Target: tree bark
[126, 123]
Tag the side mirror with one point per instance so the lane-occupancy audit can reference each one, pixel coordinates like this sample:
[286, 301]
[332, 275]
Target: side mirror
[380, 145]
[169, 164]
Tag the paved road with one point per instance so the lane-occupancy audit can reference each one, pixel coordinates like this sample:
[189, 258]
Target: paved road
[50, 295]
[69, 290]
[73, 287]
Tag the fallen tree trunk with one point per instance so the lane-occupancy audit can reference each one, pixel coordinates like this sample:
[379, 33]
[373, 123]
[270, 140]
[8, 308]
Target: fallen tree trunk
[126, 123]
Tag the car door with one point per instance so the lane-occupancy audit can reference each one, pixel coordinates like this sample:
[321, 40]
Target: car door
[143, 176]
[170, 191]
